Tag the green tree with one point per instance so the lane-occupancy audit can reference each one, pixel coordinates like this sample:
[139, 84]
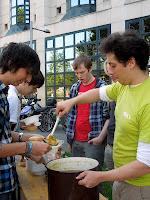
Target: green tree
[20, 15]
[59, 71]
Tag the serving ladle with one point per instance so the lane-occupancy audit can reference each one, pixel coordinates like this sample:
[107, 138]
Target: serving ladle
[54, 128]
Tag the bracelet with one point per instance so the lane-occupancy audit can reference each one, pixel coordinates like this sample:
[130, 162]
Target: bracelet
[20, 137]
[28, 152]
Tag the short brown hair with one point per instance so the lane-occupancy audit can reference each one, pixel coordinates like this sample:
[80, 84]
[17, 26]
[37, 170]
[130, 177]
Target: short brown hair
[82, 59]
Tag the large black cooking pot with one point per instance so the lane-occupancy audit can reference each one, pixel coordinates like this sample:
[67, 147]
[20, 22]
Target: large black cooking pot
[62, 184]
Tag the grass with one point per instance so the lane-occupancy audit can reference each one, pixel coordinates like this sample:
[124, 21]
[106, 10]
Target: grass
[107, 187]
[107, 190]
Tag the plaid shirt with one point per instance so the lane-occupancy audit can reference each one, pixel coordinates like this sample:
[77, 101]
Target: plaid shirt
[99, 112]
[8, 175]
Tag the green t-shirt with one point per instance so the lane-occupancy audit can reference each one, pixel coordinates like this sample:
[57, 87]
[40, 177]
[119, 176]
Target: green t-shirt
[132, 123]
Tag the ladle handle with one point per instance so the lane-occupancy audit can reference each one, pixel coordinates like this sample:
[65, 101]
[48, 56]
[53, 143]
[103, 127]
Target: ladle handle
[55, 126]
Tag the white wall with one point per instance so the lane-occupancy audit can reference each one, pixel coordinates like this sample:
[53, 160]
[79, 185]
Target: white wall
[50, 14]
[4, 16]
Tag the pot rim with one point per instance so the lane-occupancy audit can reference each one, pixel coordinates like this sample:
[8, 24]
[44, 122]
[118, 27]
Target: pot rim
[54, 163]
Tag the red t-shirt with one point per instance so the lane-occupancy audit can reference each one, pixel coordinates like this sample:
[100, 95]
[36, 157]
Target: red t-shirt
[83, 127]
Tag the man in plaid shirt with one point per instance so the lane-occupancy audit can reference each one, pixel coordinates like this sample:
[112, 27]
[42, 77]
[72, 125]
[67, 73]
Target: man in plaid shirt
[18, 62]
[86, 121]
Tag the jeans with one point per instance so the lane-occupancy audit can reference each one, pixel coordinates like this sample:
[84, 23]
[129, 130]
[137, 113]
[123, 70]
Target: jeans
[84, 149]
[13, 195]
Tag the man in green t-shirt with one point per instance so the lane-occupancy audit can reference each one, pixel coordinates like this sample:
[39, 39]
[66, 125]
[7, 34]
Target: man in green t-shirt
[127, 57]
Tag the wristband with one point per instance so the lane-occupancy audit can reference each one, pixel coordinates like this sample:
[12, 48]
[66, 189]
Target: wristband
[20, 137]
[28, 152]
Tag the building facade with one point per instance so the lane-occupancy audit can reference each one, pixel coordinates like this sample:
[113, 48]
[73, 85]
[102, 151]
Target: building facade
[76, 26]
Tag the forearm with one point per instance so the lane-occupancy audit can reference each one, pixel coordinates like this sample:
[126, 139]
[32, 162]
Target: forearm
[130, 171]
[87, 97]
[12, 149]
[25, 137]
[103, 132]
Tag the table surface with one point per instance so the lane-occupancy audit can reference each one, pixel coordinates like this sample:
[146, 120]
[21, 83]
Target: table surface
[34, 187]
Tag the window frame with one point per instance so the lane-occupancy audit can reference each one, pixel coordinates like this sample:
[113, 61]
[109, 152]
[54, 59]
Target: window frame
[68, 76]
[79, 3]
[15, 9]
[141, 25]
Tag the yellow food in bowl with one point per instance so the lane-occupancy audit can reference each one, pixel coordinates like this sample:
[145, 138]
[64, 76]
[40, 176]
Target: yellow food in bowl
[52, 140]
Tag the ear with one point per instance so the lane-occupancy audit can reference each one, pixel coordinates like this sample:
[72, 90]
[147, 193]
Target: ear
[132, 63]
[90, 69]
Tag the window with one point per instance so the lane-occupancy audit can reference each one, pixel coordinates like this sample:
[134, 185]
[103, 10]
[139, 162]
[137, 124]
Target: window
[83, 2]
[141, 25]
[69, 40]
[79, 7]
[20, 12]
[60, 53]
[74, 3]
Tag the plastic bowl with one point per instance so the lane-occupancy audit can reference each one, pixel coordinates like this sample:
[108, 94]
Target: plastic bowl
[30, 127]
[31, 120]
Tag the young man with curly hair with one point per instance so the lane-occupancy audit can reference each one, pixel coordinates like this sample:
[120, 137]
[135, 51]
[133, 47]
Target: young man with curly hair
[127, 58]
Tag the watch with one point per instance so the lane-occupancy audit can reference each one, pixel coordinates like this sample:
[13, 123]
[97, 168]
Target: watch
[20, 137]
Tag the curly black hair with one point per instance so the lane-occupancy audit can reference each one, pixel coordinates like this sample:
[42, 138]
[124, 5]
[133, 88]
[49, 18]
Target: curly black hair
[126, 45]
[19, 55]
